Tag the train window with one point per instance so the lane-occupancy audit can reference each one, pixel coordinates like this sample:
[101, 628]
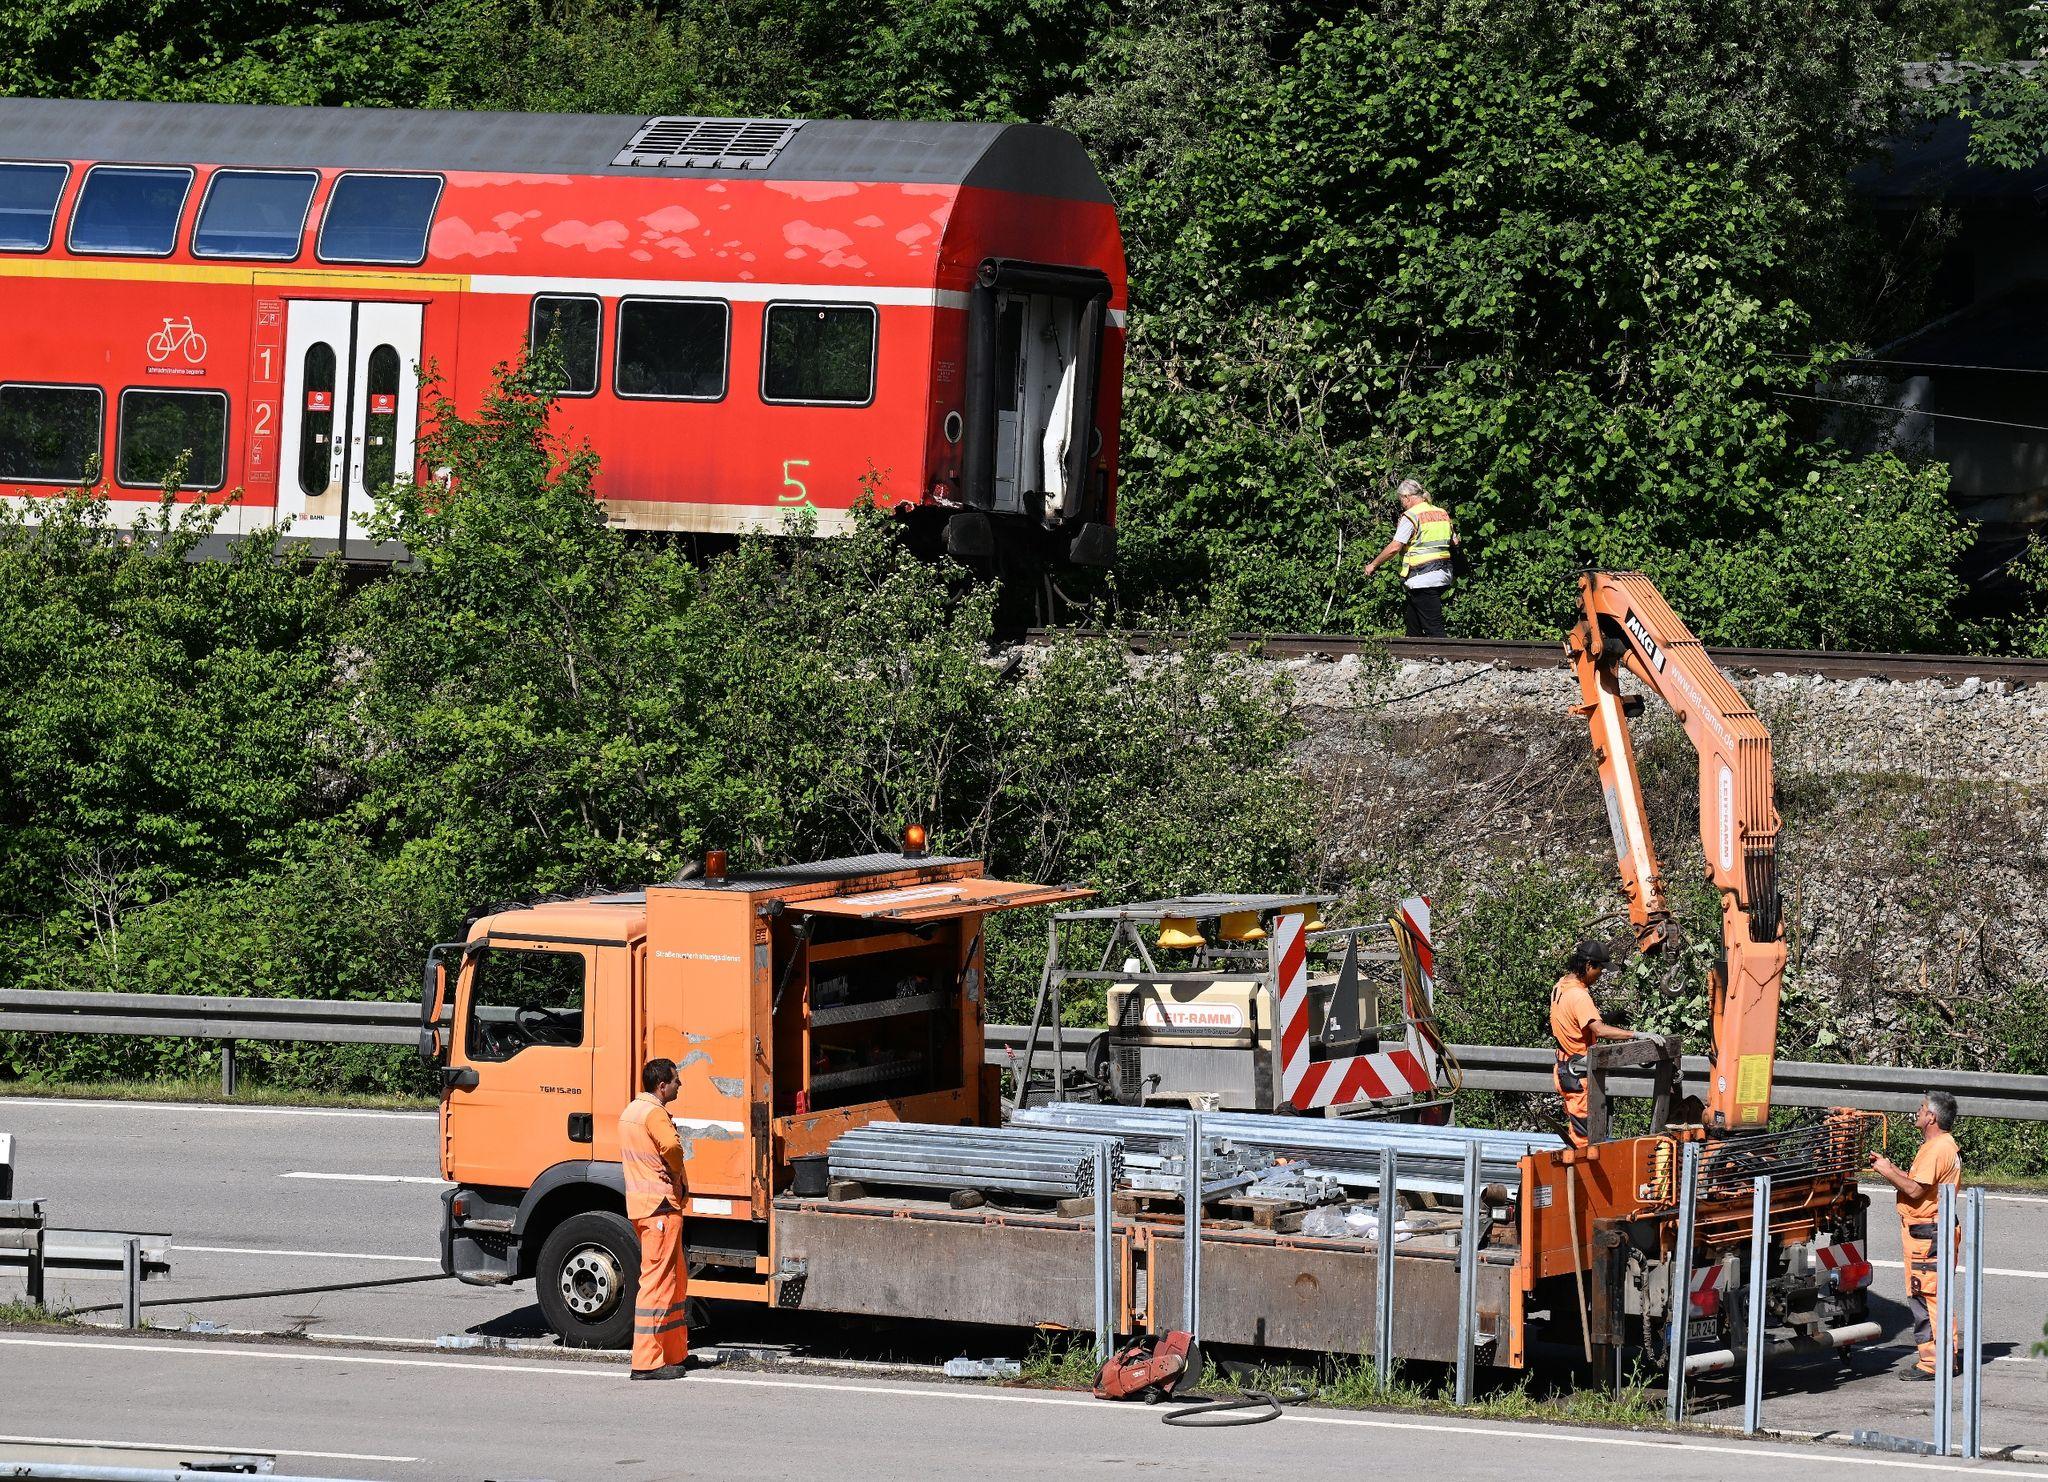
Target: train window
[130, 209]
[378, 218]
[574, 324]
[316, 421]
[672, 348]
[380, 422]
[49, 434]
[28, 205]
[819, 354]
[254, 213]
[160, 428]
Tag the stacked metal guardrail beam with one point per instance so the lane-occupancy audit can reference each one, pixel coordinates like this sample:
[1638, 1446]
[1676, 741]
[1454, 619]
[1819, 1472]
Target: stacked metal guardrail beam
[1053, 1164]
[1431, 1158]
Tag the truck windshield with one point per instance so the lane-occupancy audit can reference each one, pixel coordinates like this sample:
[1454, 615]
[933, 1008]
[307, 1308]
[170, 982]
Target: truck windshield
[520, 997]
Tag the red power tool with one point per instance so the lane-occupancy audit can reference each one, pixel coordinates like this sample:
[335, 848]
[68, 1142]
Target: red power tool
[1154, 1368]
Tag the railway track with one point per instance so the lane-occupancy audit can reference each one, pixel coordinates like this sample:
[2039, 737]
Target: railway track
[1538, 654]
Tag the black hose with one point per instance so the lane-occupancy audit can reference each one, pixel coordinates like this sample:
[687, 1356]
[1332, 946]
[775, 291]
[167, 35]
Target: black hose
[285, 1291]
[1214, 1413]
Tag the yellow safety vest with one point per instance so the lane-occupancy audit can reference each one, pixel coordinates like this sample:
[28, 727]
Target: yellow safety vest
[1430, 550]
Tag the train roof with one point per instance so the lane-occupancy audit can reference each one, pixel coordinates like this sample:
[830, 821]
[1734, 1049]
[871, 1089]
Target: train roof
[1026, 158]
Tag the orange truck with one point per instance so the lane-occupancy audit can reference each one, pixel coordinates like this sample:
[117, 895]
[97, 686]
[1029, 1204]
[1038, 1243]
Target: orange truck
[803, 1001]
[800, 1002]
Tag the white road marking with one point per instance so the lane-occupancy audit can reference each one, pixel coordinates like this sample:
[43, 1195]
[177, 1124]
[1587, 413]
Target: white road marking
[1884, 1188]
[1988, 1270]
[208, 1106]
[235, 1450]
[319, 1255]
[370, 1178]
[1431, 1425]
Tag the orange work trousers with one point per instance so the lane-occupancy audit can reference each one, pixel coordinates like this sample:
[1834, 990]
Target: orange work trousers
[661, 1334]
[1923, 1293]
[1572, 1087]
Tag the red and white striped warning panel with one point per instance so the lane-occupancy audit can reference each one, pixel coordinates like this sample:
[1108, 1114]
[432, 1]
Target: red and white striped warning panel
[1308, 1084]
[1704, 1291]
[1845, 1264]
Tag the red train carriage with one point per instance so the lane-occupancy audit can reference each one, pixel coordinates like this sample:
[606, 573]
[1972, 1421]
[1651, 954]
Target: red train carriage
[755, 316]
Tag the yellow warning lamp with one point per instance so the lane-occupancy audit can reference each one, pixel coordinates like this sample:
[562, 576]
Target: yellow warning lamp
[914, 841]
[1241, 926]
[1180, 933]
[1312, 919]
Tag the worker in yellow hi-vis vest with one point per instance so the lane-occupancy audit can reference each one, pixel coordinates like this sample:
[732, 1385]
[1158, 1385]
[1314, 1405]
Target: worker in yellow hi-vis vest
[1424, 540]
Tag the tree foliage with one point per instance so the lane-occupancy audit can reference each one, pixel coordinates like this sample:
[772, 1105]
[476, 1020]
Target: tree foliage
[1571, 265]
[237, 776]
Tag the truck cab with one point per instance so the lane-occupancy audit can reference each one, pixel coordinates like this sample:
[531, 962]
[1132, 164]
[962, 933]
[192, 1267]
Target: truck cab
[796, 1003]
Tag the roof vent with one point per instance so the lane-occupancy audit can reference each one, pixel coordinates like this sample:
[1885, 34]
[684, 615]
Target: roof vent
[709, 143]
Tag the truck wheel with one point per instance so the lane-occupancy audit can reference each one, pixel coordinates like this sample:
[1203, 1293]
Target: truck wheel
[588, 1271]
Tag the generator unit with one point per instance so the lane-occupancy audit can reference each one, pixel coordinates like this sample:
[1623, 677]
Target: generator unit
[1251, 1003]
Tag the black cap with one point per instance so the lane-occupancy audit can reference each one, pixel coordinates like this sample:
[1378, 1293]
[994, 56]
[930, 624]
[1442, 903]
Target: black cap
[1592, 953]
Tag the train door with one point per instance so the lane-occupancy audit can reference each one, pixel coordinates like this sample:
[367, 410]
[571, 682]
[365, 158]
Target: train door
[1037, 363]
[1034, 352]
[351, 411]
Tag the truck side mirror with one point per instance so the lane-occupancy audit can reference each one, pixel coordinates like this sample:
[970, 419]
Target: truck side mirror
[433, 1000]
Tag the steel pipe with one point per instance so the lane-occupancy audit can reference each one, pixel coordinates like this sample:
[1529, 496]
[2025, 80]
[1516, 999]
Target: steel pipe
[1719, 1360]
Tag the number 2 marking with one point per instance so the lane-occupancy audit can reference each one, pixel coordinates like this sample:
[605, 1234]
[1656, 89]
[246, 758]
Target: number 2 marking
[263, 414]
[802, 495]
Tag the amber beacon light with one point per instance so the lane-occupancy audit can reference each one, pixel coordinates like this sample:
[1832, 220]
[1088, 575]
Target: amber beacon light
[914, 841]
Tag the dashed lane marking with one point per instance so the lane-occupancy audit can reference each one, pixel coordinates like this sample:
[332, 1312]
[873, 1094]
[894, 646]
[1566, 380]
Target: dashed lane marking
[209, 1106]
[311, 1255]
[1988, 1270]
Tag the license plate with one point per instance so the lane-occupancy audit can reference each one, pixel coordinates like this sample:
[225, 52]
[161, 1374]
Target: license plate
[1702, 1330]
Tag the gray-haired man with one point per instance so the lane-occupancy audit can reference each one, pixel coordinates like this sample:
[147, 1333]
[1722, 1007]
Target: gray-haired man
[1424, 540]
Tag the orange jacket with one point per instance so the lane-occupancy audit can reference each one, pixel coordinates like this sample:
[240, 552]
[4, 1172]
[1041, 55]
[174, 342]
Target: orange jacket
[1938, 1162]
[652, 1155]
[1572, 1015]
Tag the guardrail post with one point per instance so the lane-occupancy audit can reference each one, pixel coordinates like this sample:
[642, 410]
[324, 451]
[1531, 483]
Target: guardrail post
[1191, 1231]
[1944, 1318]
[131, 1283]
[6, 1165]
[1468, 1274]
[1383, 1305]
[1759, 1283]
[38, 1266]
[1973, 1323]
[227, 1067]
[1681, 1283]
[1105, 1246]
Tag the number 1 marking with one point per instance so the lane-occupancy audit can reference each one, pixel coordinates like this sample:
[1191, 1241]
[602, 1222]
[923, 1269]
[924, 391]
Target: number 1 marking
[802, 495]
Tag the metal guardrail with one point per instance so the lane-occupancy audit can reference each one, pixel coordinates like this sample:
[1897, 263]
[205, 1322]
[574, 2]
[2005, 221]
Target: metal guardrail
[192, 1016]
[1885, 1088]
[1487, 1067]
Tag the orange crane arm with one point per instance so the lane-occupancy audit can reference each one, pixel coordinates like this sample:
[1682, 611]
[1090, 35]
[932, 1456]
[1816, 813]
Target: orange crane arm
[1626, 624]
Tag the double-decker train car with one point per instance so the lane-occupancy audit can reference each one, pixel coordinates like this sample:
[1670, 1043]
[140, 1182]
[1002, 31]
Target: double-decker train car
[752, 317]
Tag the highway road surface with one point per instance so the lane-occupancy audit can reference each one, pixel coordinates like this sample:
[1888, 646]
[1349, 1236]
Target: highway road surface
[273, 1199]
[347, 1413]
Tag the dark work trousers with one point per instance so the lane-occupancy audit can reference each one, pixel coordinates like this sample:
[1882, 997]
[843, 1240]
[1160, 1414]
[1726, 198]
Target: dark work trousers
[1424, 610]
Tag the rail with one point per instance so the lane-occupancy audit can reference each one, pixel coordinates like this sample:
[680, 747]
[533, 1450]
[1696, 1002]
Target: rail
[1883, 1088]
[1510, 653]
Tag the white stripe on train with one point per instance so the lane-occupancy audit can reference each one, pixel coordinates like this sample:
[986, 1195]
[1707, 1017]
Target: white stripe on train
[525, 286]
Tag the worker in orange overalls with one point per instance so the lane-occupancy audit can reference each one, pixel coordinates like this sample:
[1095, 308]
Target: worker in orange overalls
[1919, 1192]
[653, 1158]
[1575, 1023]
